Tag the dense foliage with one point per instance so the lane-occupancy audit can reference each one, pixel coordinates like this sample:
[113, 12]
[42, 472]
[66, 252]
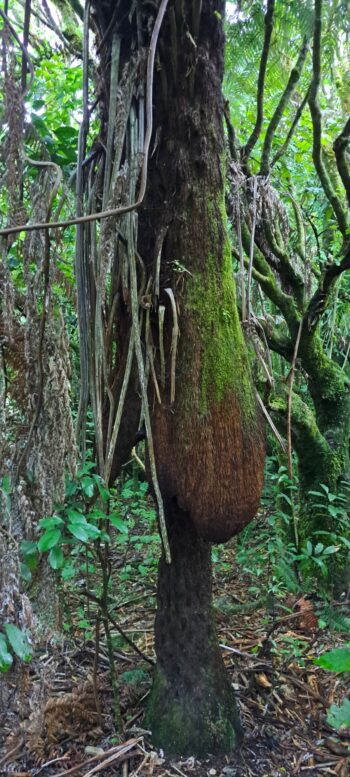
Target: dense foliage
[67, 503]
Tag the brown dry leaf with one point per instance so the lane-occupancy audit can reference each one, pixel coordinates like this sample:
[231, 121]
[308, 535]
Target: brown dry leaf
[342, 768]
[336, 747]
[308, 620]
[20, 774]
[262, 680]
[312, 682]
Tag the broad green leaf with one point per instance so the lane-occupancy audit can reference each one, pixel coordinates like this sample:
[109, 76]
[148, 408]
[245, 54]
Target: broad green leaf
[50, 523]
[56, 558]
[6, 659]
[339, 717]
[71, 487]
[49, 540]
[331, 549]
[118, 522]
[28, 547]
[88, 486]
[92, 530]
[96, 515]
[86, 468]
[103, 491]
[18, 641]
[75, 517]
[337, 660]
[79, 531]
[66, 133]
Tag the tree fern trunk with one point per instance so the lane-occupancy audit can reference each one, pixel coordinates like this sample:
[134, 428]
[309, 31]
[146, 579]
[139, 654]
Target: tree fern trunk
[192, 707]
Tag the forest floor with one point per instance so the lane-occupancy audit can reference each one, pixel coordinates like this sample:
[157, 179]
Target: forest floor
[283, 697]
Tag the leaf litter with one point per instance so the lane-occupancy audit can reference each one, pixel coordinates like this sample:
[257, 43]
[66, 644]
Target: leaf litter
[282, 695]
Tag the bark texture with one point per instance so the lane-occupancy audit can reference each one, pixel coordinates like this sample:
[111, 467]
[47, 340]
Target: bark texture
[192, 707]
[208, 442]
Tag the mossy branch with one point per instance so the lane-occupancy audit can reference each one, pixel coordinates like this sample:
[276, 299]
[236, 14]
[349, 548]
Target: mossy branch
[277, 116]
[286, 270]
[264, 275]
[340, 146]
[277, 341]
[320, 299]
[328, 384]
[301, 245]
[254, 137]
[316, 117]
[305, 432]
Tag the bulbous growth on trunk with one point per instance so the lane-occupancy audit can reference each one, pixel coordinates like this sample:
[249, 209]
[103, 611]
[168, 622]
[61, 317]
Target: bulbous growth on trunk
[209, 442]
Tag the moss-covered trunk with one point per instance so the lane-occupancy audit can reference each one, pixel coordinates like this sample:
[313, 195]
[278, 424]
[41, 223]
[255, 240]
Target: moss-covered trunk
[324, 454]
[208, 441]
[321, 436]
[207, 435]
[192, 707]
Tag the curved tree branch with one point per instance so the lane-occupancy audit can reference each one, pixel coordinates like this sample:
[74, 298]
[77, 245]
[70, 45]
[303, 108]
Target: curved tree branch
[286, 269]
[339, 146]
[265, 276]
[254, 137]
[309, 442]
[319, 301]
[232, 140]
[277, 341]
[316, 117]
[277, 116]
[282, 150]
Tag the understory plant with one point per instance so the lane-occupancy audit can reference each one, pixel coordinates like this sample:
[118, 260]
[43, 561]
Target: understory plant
[275, 551]
[337, 660]
[80, 540]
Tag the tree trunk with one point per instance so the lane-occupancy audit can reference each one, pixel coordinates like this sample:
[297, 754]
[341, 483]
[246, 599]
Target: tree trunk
[207, 436]
[192, 707]
[208, 440]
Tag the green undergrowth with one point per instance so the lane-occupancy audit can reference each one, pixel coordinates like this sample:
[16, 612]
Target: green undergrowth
[274, 566]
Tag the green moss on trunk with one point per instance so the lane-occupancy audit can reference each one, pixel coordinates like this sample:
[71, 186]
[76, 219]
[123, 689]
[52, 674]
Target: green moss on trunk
[210, 301]
[181, 728]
